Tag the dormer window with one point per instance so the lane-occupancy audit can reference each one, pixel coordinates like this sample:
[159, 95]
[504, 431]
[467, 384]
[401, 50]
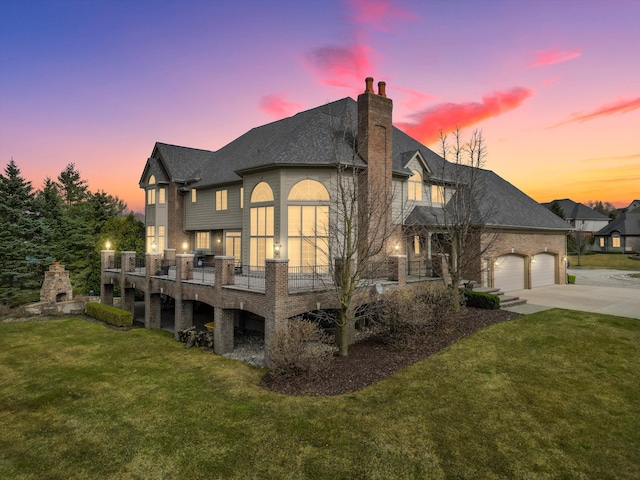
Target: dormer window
[152, 180]
[415, 186]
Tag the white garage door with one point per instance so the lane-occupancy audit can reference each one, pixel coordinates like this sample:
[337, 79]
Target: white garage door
[543, 270]
[508, 273]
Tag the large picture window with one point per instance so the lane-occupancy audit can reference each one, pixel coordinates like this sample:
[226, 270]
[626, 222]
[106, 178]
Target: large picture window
[262, 224]
[308, 229]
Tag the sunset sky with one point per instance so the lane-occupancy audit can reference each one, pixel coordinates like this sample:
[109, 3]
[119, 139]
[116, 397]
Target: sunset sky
[554, 85]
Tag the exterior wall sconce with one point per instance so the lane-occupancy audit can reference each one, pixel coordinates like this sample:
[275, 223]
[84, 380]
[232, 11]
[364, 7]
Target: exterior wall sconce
[397, 248]
[108, 245]
[153, 246]
[276, 250]
[533, 259]
[185, 245]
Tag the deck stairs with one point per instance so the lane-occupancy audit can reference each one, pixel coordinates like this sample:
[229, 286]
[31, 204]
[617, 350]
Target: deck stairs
[505, 299]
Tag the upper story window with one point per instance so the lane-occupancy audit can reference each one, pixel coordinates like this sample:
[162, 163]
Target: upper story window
[152, 180]
[308, 190]
[415, 186]
[221, 200]
[437, 194]
[151, 196]
[162, 195]
[262, 193]
[194, 195]
[241, 197]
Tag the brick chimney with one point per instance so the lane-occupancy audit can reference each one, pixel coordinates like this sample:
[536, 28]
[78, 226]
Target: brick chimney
[375, 148]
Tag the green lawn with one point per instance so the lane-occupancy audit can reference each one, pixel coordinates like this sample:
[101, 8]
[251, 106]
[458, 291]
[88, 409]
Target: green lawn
[615, 261]
[550, 395]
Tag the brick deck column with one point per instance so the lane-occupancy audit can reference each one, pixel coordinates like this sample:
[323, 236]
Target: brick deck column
[276, 289]
[184, 308]
[127, 292]
[152, 302]
[107, 260]
[398, 269]
[223, 330]
[224, 268]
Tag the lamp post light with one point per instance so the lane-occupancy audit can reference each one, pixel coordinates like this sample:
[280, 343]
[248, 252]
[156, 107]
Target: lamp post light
[276, 250]
[153, 246]
[397, 248]
[185, 245]
[108, 245]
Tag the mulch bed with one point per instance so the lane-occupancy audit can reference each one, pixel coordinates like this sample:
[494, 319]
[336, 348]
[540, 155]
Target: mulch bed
[370, 361]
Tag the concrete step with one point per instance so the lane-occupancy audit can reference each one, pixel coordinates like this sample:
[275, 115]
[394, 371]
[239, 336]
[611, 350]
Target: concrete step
[508, 301]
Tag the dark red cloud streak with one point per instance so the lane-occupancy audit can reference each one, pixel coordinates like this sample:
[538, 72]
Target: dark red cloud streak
[622, 106]
[277, 106]
[554, 55]
[448, 116]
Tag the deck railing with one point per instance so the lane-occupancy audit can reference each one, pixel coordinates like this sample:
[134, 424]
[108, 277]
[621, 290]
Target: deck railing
[205, 274]
[250, 276]
[310, 277]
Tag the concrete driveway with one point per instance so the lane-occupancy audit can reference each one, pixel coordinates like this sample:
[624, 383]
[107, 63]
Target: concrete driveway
[600, 291]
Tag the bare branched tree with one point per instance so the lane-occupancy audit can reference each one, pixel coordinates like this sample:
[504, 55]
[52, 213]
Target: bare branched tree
[460, 205]
[580, 240]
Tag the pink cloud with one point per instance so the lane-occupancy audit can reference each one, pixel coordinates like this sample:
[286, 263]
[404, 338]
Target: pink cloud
[340, 66]
[549, 81]
[622, 106]
[277, 106]
[554, 55]
[448, 116]
[377, 13]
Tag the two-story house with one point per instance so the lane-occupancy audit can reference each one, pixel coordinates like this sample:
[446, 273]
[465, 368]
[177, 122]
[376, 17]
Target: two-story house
[275, 192]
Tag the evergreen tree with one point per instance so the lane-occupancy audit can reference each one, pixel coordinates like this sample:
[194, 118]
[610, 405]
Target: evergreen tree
[23, 255]
[557, 209]
[72, 187]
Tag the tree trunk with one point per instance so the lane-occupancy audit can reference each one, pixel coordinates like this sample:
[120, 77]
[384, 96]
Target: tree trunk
[342, 332]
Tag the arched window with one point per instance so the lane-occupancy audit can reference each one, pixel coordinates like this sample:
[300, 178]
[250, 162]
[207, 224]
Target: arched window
[262, 193]
[261, 229]
[308, 231]
[415, 186]
[152, 180]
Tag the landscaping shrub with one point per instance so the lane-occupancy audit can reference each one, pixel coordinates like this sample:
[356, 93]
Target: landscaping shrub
[300, 347]
[481, 300]
[571, 279]
[407, 315]
[108, 314]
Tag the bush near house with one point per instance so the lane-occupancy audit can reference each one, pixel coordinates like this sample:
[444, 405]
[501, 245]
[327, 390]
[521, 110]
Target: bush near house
[571, 279]
[406, 315]
[111, 315]
[481, 300]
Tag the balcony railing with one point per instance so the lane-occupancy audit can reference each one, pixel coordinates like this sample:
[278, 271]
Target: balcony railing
[140, 265]
[250, 276]
[204, 274]
[310, 277]
[419, 268]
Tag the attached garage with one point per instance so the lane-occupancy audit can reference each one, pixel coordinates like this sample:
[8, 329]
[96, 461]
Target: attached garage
[508, 273]
[543, 270]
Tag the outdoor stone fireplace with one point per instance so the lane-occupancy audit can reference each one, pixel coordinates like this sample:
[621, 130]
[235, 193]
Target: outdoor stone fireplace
[56, 286]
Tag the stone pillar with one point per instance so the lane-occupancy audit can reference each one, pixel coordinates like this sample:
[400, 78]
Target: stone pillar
[184, 315]
[128, 262]
[153, 311]
[152, 301]
[225, 270]
[223, 330]
[398, 269]
[184, 264]
[107, 261]
[128, 298]
[276, 289]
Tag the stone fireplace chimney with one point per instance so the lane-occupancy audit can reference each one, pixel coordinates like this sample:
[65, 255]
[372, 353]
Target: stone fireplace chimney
[375, 132]
[56, 286]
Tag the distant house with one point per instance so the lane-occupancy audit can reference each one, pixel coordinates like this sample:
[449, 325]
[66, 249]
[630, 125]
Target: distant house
[621, 235]
[633, 206]
[581, 217]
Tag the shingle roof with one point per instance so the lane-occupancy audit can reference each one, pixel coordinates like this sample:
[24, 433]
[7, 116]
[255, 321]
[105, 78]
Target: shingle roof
[577, 211]
[497, 203]
[326, 134]
[626, 224]
[177, 164]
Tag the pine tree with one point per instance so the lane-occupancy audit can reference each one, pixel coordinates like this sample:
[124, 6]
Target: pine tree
[23, 254]
[557, 209]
